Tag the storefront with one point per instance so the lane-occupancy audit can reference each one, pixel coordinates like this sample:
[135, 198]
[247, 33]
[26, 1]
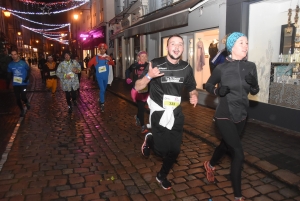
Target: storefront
[274, 48]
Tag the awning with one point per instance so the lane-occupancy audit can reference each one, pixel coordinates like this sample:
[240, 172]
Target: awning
[117, 35]
[170, 17]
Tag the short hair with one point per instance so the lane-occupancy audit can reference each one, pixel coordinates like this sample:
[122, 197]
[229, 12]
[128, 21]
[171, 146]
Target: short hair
[175, 35]
[14, 50]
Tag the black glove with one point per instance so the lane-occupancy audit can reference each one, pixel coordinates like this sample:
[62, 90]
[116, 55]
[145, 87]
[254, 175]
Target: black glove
[222, 91]
[251, 80]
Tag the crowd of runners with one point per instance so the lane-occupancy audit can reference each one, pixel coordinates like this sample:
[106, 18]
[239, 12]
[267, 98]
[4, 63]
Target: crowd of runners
[159, 84]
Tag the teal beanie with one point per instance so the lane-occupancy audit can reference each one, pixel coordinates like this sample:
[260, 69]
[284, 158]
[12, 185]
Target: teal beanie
[232, 38]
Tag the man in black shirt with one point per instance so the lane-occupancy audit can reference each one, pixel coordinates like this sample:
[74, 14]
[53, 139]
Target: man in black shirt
[167, 76]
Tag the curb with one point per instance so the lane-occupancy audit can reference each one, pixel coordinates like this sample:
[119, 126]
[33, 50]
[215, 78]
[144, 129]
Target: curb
[271, 170]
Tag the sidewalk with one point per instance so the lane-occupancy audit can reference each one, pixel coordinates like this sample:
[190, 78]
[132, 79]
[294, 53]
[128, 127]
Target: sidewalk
[273, 151]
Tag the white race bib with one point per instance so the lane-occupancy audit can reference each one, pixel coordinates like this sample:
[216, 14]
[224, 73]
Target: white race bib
[71, 74]
[18, 79]
[145, 90]
[171, 101]
[52, 73]
[101, 69]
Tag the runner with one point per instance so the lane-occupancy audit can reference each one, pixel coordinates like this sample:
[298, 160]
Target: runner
[167, 76]
[104, 75]
[20, 71]
[67, 72]
[235, 78]
[140, 97]
[50, 74]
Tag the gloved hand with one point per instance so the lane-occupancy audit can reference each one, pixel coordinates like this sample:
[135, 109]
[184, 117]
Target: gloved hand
[128, 81]
[222, 91]
[251, 80]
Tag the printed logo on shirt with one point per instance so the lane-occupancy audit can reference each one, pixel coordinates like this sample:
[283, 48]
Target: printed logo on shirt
[166, 79]
[17, 72]
[161, 68]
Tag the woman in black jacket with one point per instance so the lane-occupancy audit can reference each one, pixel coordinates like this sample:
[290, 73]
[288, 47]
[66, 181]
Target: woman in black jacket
[140, 97]
[235, 79]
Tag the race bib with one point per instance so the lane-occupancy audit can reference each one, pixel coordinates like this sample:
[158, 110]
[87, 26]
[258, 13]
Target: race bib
[71, 74]
[17, 79]
[101, 69]
[145, 90]
[52, 73]
[171, 101]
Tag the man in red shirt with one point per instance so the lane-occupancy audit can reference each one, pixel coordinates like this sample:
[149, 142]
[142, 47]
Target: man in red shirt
[102, 63]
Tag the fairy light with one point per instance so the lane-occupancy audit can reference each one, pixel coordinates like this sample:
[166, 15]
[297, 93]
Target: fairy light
[44, 13]
[14, 14]
[43, 30]
[47, 4]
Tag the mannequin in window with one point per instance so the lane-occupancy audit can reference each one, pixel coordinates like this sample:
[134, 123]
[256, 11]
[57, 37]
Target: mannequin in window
[221, 55]
[212, 50]
[200, 55]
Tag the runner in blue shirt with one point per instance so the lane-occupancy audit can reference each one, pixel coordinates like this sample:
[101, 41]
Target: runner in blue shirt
[20, 71]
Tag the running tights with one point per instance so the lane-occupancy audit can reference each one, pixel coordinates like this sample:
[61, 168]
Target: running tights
[70, 94]
[20, 94]
[231, 142]
[141, 110]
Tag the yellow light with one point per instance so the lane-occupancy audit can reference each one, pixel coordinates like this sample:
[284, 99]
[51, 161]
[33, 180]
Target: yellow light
[63, 47]
[75, 16]
[62, 34]
[6, 13]
[37, 41]
[51, 44]
[19, 33]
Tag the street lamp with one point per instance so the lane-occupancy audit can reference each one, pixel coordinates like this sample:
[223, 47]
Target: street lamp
[6, 13]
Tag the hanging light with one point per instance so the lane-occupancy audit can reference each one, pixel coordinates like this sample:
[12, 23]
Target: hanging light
[6, 13]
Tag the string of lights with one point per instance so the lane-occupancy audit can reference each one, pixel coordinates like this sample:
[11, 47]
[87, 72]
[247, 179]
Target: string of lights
[66, 42]
[38, 22]
[40, 32]
[44, 30]
[44, 13]
[48, 4]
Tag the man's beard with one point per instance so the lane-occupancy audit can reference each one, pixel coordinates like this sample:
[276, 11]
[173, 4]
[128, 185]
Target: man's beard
[172, 57]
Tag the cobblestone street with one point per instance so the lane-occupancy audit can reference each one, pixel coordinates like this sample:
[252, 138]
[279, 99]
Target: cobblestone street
[89, 155]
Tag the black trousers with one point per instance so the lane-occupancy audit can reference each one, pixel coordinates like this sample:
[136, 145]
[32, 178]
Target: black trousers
[166, 143]
[141, 111]
[20, 94]
[231, 142]
[69, 95]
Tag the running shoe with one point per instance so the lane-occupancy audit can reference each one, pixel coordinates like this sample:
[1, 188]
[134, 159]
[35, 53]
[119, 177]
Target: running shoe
[70, 109]
[165, 184]
[137, 121]
[144, 129]
[28, 106]
[240, 199]
[102, 107]
[146, 145]
[209, 172]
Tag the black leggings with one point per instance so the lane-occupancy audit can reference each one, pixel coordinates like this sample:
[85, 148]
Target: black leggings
[20, 94]
[141, 111]
[231, 142]
[70, 94]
